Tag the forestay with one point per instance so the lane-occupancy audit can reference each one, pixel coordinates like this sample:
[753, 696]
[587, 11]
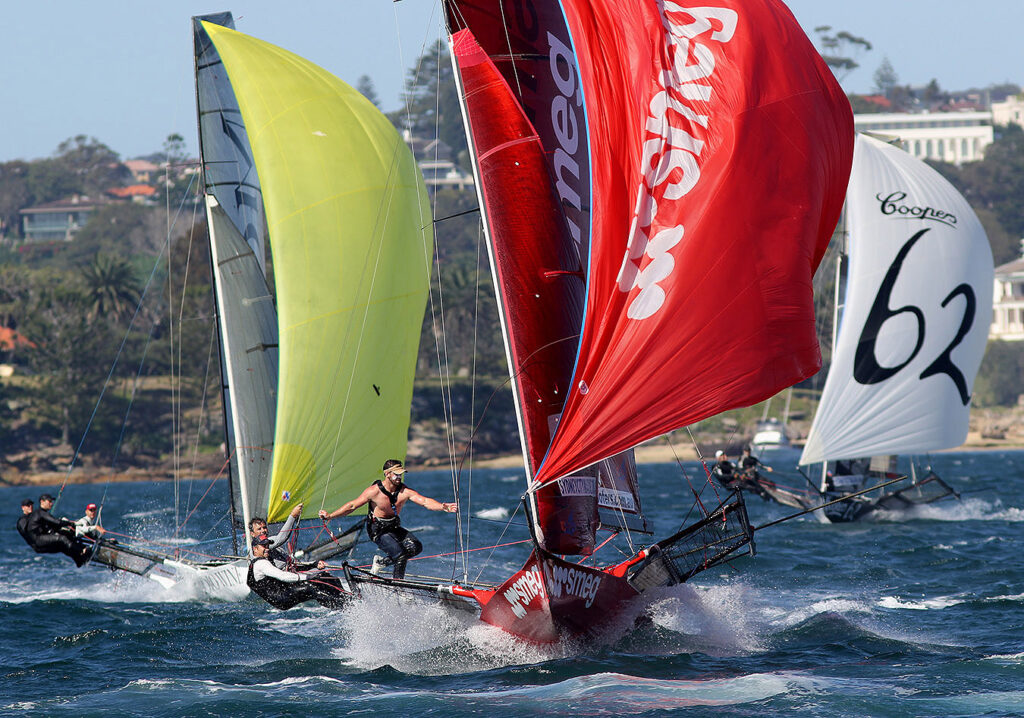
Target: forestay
[917, 308]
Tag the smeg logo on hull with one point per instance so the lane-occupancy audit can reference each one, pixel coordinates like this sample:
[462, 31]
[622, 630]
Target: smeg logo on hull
[893, 205]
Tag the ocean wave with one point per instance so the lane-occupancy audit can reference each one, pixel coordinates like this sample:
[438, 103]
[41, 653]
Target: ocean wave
[496, 514]
[622, 694]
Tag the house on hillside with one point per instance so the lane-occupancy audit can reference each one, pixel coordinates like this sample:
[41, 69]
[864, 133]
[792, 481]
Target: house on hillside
[955, 137]
[139, 193]
[143, 171]
[57, 221]
[1008, 301]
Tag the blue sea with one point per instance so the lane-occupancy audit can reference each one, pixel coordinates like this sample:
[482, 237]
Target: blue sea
[913, 615]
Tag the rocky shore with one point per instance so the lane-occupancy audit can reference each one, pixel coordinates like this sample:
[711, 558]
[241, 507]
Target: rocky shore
[990, 429]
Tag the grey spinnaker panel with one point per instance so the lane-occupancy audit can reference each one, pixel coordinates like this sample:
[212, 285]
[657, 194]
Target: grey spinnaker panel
[228, 169]
[248, 326]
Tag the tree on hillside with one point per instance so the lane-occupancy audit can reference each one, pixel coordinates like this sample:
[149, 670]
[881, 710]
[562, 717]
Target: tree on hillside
[366, 88]
[994, 187]
[71, 357]
[49, 181]
[885, 77]
[1001, 376]
[431, 103]
[14, 196]
[840, 49]
[96, 166]
[111, 288]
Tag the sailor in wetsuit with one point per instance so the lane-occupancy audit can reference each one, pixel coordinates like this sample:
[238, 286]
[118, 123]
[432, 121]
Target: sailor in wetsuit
[26, 510]
[47, 534]
[750, 475]
[724, 470]
[386, 499]
[285, 589]
[278, 549]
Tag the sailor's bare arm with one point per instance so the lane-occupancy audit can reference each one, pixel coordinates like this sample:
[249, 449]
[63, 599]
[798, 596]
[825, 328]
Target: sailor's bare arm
[349, 507]
[429, 503]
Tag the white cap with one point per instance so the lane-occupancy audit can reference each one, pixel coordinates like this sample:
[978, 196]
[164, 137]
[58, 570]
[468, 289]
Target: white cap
[718, 454]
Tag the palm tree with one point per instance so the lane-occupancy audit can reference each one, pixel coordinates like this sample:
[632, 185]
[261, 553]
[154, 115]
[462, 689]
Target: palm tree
[111, 287]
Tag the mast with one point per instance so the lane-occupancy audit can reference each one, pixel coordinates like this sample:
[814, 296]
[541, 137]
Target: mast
[217, 320]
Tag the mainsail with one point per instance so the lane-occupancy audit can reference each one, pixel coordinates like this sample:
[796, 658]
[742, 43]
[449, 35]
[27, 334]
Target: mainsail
[916, 313]
[351, 239]
[721, 146]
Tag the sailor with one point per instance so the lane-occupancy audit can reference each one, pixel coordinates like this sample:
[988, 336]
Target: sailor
[48, 534]
[26, 510]
[749, 464]
[88, 525]
[386, 499]
[750, 476]
[723, 470]
[279, 554]
[285, 589]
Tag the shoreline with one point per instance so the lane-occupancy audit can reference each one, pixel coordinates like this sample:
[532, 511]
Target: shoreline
[654, 453]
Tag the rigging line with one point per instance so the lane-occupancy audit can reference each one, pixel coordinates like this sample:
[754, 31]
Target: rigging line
[456, 215]
[511, 55]
[472, 395]
[181, 325]
[199, 426]
[113, 366]
[379, 229]
[127, 413]
[847, 497]
[491, 554]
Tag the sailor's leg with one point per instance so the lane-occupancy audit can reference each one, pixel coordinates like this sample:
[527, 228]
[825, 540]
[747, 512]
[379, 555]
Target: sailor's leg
[410, 547]
[59, 543]
[390, 544]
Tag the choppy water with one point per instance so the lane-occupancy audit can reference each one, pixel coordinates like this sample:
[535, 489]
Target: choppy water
[901, 616]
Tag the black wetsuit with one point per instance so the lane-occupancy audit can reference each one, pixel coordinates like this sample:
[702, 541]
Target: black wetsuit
[44, 534]
[283, 595]
[23, 529]
[724, 473]
[400, 545]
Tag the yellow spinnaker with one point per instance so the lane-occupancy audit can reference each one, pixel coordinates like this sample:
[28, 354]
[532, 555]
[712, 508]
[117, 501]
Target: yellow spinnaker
[351, 240]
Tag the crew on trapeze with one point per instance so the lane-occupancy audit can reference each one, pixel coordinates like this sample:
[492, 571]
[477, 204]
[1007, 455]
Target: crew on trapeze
[46, 533]
[386, 499]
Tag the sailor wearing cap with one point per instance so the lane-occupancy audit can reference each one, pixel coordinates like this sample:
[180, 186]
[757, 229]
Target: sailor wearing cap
[285, 589]
[49, 534]
[386, 499]
[89, 525]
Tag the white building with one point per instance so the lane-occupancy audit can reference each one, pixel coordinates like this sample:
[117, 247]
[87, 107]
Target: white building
[1009, 111]
[1008, 301]
[954, 137]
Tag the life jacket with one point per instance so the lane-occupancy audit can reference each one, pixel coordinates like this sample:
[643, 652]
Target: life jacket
[277, 593]
[375, 525]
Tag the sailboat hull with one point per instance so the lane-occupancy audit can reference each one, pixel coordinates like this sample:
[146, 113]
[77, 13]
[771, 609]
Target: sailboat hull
[551, 598]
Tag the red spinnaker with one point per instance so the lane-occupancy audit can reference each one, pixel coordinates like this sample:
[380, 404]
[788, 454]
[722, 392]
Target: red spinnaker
[720, 151]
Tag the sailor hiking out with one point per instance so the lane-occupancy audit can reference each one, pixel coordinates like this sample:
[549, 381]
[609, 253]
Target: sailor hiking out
[386, 499]
[286, 589]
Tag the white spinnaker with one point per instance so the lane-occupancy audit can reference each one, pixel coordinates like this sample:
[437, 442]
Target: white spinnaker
[916, 317]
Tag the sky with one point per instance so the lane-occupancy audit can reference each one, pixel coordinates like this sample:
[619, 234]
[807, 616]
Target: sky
[121, 70]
